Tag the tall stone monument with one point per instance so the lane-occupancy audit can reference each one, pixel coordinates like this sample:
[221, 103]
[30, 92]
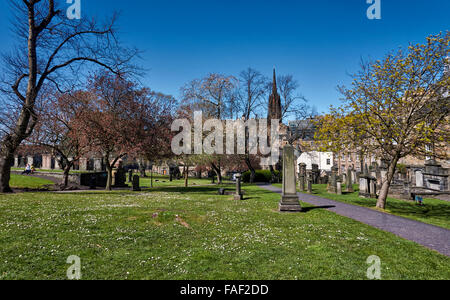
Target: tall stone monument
[332, 185]
[310, 182]
[350, 181]
[135, 184]
[289, 199]
[315, 173]
[238, 195]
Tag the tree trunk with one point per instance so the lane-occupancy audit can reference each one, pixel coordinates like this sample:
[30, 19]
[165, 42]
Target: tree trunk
[275, 178]
[218, 173]
[151, 177]
[186, 176]
[252, 170]
[384, 192]
[109, 180]
[142, 170]
[66, 175]
[6, 161]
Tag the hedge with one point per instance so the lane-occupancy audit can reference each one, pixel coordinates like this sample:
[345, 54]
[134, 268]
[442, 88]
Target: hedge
[261, 176]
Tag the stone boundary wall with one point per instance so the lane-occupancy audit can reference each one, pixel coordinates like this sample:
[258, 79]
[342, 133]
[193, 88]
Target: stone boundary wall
[73, 178]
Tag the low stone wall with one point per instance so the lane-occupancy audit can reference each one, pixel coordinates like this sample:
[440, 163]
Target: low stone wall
[57, 176]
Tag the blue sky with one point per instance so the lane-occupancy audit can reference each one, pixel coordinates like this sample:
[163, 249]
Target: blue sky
[319, 41]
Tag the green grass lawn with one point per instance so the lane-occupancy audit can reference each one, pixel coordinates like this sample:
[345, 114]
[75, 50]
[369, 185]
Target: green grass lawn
[23, 181]
[435, 212]
[124, 235]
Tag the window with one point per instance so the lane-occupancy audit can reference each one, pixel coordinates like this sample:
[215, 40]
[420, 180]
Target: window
[328, 162]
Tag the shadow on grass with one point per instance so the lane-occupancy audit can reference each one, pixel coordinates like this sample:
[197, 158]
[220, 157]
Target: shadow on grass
[308, 209]
[437, 211]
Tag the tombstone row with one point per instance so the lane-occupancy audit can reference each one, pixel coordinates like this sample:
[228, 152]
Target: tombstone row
[50, 162]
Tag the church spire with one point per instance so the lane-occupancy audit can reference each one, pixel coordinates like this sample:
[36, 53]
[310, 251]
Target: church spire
[275, 101]
[274, 87]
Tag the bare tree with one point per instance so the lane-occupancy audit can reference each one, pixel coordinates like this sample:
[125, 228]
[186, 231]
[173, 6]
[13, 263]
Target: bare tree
[56, 129]
[213, 95]
[251, 99]
[51, 49]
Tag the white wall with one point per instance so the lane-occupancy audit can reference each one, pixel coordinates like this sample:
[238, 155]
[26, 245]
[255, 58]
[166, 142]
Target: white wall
[318, 158]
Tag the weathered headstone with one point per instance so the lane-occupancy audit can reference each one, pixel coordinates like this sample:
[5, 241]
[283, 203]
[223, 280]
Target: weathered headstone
[46, 162]
[98, 165]
[364, 187]
[120, 177]
[310, 182]
[238, 195]
[332, 186]
[289, 200]
[339, 188]
[302, 177]
[136, 185]
[373, 188]
[83, 164]
[315, 174]
[325, 179]
[350, 181]
[419, 179]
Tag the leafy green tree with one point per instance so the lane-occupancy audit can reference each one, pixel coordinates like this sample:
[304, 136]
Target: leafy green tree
[397, 107]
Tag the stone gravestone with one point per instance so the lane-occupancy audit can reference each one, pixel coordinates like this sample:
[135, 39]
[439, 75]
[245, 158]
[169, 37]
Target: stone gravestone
[350, 181]
[47, 162]
[310, 182]
[339, 188]
[419, 179]
[325, 179]
[83, 164]
[302, 177]
[289, 200]
[315, 173]
[378, 175]
[98, 165]
[120, 177]
[136, 185]
[373, 188]
[364, 186]
[332, 185]
[238, 195]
